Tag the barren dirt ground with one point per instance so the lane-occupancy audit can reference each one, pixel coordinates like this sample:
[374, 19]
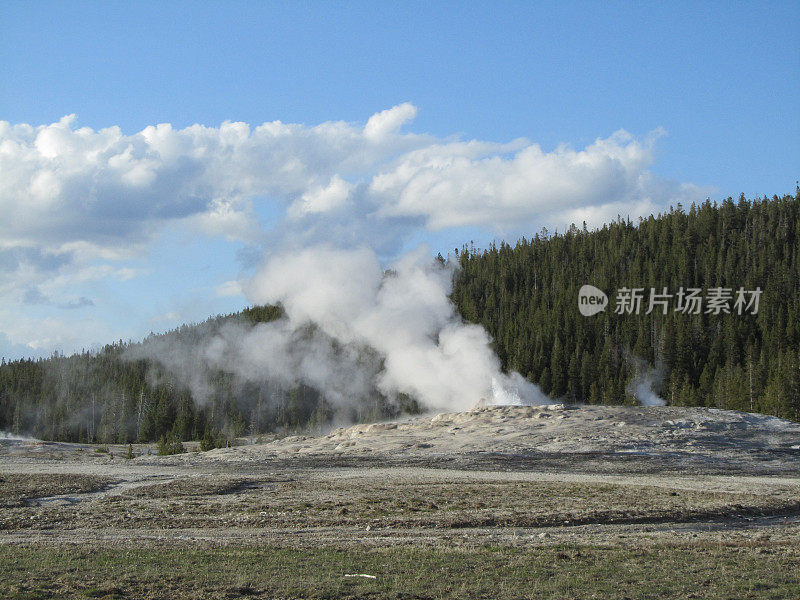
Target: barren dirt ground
[509, 477]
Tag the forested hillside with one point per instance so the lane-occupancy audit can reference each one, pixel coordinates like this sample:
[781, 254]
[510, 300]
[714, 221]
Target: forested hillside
[527, 298]
[115, 396]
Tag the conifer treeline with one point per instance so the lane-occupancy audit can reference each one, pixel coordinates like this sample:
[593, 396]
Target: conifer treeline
[526, 297]
[112, 397]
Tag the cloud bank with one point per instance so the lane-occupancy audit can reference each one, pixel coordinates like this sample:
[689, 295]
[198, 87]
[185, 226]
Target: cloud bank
[73, 188]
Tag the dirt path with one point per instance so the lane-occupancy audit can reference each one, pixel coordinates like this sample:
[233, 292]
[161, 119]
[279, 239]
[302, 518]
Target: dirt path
[113, 489]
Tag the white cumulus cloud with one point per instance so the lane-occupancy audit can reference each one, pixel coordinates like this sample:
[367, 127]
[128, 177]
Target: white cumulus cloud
[69, 186]
[389, 121]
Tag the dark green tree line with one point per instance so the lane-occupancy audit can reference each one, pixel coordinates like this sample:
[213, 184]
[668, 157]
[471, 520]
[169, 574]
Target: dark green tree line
[526, 297]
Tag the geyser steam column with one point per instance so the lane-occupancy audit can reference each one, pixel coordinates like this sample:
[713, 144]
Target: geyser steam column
[404, 314]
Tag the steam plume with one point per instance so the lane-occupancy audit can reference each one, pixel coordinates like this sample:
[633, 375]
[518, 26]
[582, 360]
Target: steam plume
[341, 307]
[641, 387]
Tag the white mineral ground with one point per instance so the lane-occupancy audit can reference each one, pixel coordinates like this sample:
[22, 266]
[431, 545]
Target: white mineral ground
[686, 450]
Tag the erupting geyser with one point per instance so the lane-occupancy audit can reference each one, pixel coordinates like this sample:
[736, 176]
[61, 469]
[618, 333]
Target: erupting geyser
[350, 327]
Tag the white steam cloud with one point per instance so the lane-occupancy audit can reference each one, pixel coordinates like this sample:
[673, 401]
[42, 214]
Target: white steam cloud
[641, 387]
[405, 315]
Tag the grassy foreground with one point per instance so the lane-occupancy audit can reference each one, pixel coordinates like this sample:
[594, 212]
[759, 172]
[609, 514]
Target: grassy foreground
[696, 571]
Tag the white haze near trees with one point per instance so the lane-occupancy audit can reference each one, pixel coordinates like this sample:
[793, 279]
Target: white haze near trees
[84, 201]
[647, 378]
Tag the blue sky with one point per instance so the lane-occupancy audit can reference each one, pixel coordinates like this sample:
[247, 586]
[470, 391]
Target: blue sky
[707, 94]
